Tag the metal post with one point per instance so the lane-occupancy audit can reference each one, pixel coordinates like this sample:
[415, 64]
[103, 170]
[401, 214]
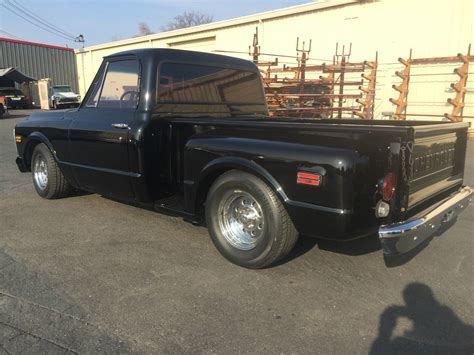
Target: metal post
[401, 102]
[459, 88]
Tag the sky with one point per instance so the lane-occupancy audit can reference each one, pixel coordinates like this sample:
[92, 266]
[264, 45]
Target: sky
[110, 20]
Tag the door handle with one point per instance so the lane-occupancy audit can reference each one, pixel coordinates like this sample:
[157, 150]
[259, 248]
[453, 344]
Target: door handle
[120, 125]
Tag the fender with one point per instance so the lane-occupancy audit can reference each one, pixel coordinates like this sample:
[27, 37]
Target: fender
[226, 163]
[39, 137]
[23, 161]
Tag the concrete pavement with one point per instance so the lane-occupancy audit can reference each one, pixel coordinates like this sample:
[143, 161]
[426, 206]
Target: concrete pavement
[87, 274]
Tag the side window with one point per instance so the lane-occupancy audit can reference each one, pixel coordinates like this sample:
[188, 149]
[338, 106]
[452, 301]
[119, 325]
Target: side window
[94, 96]
[201, 84]
[120, 86]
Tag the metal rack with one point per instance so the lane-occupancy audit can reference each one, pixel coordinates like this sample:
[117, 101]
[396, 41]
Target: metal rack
[363, 106]
[343, 88]
[459, 86]
[318, 90]
[367, 102]
[401, 103]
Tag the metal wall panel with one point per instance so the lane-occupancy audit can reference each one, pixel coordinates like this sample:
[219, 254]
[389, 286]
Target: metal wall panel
[40, 61]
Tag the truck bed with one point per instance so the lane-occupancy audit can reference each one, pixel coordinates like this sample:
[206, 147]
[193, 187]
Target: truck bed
[427, 156]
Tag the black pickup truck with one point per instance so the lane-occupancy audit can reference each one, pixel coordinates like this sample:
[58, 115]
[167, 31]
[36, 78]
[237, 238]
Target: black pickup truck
[189, 134]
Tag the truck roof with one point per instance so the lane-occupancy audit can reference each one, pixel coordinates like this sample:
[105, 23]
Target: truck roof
[165, 54]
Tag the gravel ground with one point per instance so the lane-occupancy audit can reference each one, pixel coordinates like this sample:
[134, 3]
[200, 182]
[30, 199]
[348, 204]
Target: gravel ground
[86, 274]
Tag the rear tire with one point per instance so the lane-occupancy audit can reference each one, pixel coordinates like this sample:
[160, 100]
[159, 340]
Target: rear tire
[48, 179]
[247, 222]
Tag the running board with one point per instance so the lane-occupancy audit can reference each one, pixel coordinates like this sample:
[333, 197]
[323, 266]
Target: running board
[174, 206]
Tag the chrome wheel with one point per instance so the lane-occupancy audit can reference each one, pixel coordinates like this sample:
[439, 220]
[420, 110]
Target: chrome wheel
[40, 172]
[241, 220]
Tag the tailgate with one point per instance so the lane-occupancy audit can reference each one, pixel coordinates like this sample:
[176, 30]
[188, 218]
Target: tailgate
[434, 160]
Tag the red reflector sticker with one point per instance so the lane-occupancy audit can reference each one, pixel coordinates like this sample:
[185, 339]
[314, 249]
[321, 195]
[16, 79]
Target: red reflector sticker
[308, 179]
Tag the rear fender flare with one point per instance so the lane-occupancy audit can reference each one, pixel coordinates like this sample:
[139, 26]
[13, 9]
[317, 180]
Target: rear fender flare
[228, 163]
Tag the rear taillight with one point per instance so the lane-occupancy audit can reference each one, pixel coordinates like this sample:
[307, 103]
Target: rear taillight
[389, 185]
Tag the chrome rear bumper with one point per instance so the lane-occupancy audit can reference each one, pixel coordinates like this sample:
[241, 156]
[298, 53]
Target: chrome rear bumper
[399, 238]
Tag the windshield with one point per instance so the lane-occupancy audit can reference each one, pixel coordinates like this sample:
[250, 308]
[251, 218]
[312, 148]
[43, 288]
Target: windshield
[4, 92]
[64, 88]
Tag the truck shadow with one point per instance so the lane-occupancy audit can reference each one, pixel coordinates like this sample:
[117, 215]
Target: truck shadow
[9, 116]
[302, 246]
[435, 328]
[78, 193]
[399, 260]
[362, 246]
[354, 247]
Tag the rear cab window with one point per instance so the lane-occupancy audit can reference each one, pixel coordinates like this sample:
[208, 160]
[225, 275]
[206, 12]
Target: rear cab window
[183, 87]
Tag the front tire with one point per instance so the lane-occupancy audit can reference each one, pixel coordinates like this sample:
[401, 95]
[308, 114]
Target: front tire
[48, 179]
[247, 222]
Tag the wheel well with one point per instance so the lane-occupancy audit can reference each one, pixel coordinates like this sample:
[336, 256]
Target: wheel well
[206, 184]
[204, 187]
[29, 152]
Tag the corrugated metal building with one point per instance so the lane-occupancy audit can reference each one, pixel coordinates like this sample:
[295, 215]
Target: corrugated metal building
[39, 61]
[391, 27]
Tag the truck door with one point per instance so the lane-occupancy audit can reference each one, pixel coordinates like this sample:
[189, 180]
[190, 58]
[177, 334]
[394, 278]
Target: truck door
[99, 130]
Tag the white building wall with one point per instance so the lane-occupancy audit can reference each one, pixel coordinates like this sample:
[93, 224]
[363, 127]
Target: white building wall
[433, 28]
